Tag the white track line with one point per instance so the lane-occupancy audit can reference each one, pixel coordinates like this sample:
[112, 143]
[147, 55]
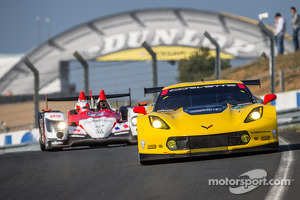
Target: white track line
[284, 172]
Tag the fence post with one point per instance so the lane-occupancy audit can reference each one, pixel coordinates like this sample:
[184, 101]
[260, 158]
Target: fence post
[85, 71]
[154, 66]
[217, 60]
[36, 96]
[281, 80]
[272, 56]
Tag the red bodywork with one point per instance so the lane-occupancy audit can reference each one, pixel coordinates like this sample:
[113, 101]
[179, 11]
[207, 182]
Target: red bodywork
[75, 118]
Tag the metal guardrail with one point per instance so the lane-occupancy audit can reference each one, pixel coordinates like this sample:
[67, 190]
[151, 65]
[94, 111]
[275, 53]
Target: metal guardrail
[290, 117]
[6, 129]
[33, 146]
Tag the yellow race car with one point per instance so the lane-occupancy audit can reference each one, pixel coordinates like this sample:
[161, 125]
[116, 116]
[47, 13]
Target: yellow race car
[204, 118]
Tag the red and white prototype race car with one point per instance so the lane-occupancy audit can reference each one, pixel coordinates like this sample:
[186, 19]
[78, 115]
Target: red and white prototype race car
[87, 125]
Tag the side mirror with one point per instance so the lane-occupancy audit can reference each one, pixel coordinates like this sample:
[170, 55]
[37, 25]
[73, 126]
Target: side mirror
[140, 109]
[142, 103]
[269, 97]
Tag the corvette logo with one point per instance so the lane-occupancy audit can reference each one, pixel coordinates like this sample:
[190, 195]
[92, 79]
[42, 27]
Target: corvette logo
[207, 127]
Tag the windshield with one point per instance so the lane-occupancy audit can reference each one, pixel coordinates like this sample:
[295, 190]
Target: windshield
[203, 95]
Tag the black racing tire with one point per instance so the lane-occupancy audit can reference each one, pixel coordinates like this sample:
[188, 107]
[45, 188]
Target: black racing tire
[144, 162]
[42, 146]
[132, 141]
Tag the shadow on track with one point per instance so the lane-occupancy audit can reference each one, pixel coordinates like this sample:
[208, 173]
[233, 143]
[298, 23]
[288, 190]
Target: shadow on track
[207, 157]
[290, 147]
[76, 148]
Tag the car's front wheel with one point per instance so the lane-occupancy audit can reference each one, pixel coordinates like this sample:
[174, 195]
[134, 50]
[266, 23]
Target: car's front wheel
[144, 162]
[42, 146]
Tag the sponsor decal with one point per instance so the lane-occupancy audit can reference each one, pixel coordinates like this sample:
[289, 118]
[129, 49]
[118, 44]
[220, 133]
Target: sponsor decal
[143, 144]
[207, 127]
[97, 127]
[266, 137]
[201, 110]
[256, 138]
[125, 126]
[152, 146]
[167, 37]
[274, 132]
[121, 128]
[78, 136]
[164, 92]
[206, 110]
[77, 130]
[161, 146]
[121, 133]
[248, 181]
[56, 116]
[95, 114]
[261, 132]
[97, 120]
[56, 143]
[242, 86]
[201, 87]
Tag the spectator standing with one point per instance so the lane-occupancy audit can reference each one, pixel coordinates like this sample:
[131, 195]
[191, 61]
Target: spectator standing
[280, 29]
[295, 24]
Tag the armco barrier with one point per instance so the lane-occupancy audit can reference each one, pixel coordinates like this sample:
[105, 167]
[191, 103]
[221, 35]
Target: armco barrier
[287, 106]
[19, 137]
[288, 117]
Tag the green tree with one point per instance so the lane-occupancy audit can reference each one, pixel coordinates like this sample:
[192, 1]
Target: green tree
[198, 66]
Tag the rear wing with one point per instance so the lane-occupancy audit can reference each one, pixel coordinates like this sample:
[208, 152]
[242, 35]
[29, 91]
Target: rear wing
[158, 89]
[108, 96]
[252, 82]
[152, 90]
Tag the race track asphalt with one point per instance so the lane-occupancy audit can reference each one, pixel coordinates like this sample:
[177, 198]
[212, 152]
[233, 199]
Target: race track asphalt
[115, 173]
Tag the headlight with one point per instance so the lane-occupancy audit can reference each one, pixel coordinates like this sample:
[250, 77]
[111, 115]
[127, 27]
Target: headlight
[60, 135]
[254, 115]
[245, 138]
[172, 145]
[61, 125]
[157, 122]
[134, 121]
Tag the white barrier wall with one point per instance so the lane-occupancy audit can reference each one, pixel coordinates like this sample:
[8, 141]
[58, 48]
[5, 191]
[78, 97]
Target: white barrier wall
[19, 137]
[287, 100]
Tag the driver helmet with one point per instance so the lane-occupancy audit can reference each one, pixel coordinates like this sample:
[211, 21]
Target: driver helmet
[82, 103]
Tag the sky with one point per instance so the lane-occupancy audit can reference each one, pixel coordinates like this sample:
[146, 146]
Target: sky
[19, 33]
[19, 27]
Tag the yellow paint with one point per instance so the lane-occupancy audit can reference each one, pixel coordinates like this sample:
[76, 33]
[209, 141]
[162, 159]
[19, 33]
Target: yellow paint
[209, 149]
[183, 124]
[162, 53]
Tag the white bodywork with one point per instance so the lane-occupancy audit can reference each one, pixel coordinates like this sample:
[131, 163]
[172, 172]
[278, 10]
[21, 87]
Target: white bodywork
[50, 129]
[132, 115]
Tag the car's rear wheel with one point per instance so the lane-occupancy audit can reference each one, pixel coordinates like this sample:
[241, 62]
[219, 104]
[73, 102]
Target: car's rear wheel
[132, 140]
